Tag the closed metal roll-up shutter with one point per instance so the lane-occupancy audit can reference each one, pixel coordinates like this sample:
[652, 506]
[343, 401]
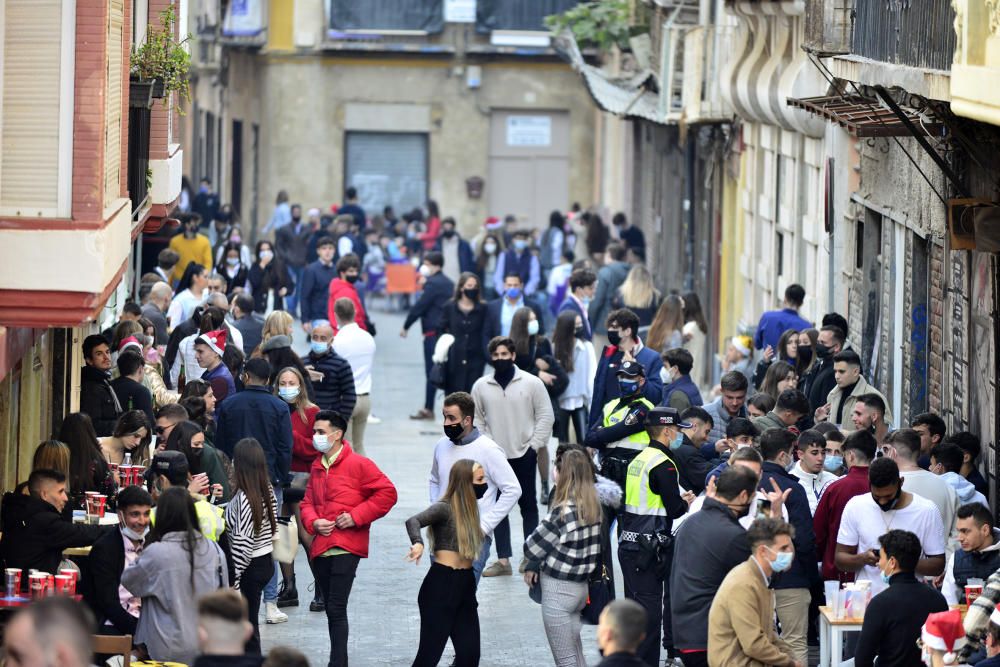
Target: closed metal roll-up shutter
[29, 153]
[113, 126]
[388, 169]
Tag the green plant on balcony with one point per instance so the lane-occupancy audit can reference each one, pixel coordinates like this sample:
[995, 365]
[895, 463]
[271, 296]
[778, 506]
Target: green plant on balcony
[600, 24]
[163, 58]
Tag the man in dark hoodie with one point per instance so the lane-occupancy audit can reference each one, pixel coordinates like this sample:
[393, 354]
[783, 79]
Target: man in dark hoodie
[97, 398]
[223, 630]
[692, 468]
[34, 531]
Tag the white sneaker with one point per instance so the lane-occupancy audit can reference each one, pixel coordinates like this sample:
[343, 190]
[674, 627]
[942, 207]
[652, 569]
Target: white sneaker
[274, 615]
[372, 419]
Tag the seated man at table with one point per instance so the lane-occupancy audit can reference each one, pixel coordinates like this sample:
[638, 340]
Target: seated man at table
[34, 531]
[116, 609]
[894, 617]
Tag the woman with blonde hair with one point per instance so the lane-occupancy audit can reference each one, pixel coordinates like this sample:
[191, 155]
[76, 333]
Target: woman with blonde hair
[667, 330]
[278, 323]
[563, 552]
[51, 455]
[638, 294]
[290, 386]
[447, 598]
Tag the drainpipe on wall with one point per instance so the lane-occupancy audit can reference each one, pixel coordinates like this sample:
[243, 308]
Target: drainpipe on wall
[689, 171]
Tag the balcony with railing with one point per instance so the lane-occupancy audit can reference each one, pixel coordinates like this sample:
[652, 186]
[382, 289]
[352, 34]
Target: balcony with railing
[139, 176]
[976, 69]
[915, 33]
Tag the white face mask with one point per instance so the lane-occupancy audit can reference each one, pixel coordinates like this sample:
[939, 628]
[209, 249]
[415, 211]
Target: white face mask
[134, 536]
[425, 270]
[666, 376]
[321, 443]
[532, 327]
[490, 248]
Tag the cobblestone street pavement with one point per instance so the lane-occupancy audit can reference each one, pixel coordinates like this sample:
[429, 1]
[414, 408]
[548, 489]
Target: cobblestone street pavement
[385, 622]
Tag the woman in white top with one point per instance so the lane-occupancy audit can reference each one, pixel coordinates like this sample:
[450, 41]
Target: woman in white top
[696, 338]
[190, 294]
[576, 356]
[251, 521]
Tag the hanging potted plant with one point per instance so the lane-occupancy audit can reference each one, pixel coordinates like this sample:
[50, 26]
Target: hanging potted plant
[161, 60]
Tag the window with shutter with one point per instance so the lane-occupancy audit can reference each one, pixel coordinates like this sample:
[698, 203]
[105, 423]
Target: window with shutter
[31, 78]
[113, 126]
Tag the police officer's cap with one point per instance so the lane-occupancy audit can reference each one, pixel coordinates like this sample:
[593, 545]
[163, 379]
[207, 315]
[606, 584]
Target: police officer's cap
[632, 369]
[665, 417]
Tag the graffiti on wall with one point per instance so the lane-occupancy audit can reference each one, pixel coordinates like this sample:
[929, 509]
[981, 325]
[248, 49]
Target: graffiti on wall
[958, 326]
[918, 347]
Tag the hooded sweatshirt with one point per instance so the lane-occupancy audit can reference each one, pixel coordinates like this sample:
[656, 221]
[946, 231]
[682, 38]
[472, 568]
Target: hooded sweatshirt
[965, 489]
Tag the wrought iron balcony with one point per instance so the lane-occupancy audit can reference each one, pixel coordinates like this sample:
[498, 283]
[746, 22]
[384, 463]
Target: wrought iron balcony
[138, 159]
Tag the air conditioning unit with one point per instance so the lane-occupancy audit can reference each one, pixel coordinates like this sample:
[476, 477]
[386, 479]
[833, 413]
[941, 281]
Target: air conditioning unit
[974, 224]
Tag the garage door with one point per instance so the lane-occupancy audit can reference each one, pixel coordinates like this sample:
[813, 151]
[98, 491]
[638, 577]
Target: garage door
[388, 169]
[529, 165]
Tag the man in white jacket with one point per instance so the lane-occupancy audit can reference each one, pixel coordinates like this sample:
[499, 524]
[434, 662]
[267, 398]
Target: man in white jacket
[462, 440]
[809, 469]
[514, 409]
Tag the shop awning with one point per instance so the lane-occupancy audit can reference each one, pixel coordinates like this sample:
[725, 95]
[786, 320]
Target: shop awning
[863, 116]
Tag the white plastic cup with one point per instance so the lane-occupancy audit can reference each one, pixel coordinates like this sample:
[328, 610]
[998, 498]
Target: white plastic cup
[831, 588]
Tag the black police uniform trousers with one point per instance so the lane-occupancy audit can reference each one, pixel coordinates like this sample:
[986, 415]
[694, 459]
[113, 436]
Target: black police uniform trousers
[650, 589]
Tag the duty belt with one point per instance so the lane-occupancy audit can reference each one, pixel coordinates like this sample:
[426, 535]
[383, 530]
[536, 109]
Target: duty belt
[629, 536]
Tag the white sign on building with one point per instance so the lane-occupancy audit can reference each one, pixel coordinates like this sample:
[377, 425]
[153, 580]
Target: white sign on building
[529, 131]
[460, 11]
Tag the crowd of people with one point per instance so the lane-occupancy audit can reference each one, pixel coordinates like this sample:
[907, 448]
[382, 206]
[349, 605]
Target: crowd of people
[728, 490]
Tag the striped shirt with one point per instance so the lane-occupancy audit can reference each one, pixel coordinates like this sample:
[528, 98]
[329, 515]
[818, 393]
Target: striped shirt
[244, 543]
[562, 547]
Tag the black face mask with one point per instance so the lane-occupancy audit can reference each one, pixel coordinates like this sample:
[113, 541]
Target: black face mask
[352, 278]
[454, 431]
[296, 218]
[743, 511]
[480, 489]
[471, 294]
[822, 351]
[503, 366]
[614, 337]
[891, 505]
[450, 233]
[805, 354]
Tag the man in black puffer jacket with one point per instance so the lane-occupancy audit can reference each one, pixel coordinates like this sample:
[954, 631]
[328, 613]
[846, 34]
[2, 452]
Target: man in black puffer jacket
[34, 531]
[97, 398]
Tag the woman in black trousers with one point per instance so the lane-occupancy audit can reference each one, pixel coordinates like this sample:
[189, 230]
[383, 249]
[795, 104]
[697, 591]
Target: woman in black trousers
[464, 317]
[447, 598]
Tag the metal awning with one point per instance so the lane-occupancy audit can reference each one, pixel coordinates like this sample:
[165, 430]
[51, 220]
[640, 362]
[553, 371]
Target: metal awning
[864, 116]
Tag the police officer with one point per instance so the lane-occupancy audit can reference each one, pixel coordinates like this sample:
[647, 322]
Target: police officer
[652, 501]
[621, 434]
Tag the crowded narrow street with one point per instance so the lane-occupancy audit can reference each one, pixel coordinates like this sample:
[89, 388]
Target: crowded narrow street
[385, 625]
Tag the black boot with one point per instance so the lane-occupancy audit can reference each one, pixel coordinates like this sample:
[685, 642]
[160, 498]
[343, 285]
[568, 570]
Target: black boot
[288, 596]
[318, 603]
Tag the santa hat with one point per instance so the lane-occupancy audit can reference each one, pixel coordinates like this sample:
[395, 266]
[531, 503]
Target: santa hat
[334, 208]
[216, 340]
[492, 223]
[131, 341]
[943, 631]
[995, 616]
[742, 343]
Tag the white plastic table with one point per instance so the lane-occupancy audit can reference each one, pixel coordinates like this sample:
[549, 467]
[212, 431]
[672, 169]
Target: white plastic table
[831, 636]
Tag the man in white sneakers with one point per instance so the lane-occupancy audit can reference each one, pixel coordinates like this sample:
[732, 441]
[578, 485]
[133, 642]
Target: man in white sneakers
[462, 440]
[514, 409]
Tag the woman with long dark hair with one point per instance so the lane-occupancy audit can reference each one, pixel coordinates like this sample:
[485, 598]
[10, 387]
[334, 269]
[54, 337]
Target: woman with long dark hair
[447, 598]
[232, 268]
[486, 264]
[597, 237]
[269, 279]
[562, 553]
[780, 376]
[788, 350]
[131, 435]
[464, 317]
[251, 521]
[190, 294]
[696, 337]
[177, 566]
[576, 358]
[88, 470]
[188, 438]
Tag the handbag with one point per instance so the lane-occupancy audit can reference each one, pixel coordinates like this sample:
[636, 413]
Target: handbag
[286, 540]
[598, 595]
[437, 374]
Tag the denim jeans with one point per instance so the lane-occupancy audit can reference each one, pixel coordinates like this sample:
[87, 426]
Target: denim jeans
[271, 590]
[479, 564]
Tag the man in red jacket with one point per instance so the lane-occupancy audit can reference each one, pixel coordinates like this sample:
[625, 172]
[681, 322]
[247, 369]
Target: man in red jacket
[348, 272]
[346, 492]
[859, 452]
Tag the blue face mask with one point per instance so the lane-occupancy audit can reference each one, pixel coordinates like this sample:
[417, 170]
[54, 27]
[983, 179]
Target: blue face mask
[885, 577]
[628, 387]
[513, 293]
[677, 442]
[318, 347]
[585, 301]
[783, 560]
[288, 393]
[833, 463]
[520, 244]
